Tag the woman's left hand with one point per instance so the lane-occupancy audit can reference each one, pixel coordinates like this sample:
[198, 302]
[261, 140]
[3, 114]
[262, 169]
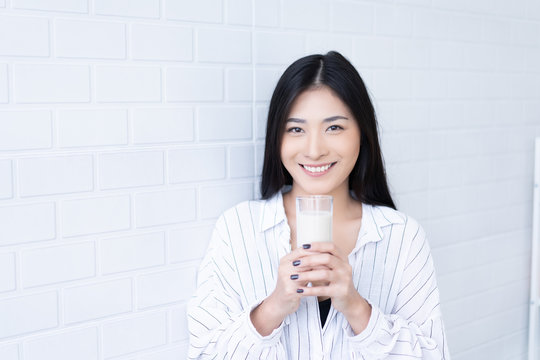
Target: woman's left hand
[330, 273]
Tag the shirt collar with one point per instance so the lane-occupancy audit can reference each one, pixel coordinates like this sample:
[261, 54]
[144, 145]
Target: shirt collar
[374, 218]
[273, 212]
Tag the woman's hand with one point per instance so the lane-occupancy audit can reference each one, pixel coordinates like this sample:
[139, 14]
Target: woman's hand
[331, 276]
[329, 272]
[285, 299]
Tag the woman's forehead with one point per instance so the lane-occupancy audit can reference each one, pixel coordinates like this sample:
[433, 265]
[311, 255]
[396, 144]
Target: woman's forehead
[320, 102]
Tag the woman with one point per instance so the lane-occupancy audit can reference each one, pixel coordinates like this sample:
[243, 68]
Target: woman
[373, 292]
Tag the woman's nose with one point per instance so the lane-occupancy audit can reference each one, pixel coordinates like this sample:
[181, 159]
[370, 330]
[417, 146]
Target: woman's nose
[315, 147]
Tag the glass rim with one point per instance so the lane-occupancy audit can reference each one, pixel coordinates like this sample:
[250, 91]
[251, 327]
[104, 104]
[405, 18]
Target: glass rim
[328, 197]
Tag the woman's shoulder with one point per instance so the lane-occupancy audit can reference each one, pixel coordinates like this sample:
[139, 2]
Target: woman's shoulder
[246, 207]
[390, 216]
[246, 212]
[242, 220]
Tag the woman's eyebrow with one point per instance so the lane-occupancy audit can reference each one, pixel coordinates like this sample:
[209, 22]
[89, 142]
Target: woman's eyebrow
[334, 118]
[330, 119]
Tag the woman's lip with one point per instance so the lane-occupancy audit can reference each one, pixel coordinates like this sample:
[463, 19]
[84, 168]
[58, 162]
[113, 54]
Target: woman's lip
[318, 165]
[317, 174]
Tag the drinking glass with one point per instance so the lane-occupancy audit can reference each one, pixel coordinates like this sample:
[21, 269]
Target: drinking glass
[313, 219]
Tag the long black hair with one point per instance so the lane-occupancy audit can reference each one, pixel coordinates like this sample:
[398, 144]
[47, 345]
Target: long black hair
[367, 180]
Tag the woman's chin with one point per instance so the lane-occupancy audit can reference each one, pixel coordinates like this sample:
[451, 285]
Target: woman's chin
[316, 190]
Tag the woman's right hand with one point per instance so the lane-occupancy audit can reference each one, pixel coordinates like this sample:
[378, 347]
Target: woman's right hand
[285, 299]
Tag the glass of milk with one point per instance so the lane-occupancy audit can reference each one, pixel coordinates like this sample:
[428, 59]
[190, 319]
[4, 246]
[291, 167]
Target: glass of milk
[313, 219]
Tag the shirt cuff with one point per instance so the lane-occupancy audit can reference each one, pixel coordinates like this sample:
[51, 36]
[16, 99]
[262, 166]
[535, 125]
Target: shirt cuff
[369, 334]
[267, 340]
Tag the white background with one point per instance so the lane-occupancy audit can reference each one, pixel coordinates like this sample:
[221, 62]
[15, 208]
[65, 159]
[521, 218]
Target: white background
[126, 127]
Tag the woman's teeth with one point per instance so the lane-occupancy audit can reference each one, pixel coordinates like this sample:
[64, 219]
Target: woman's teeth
[317, 168]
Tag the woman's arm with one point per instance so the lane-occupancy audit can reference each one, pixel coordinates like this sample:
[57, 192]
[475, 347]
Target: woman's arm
[219, 323]
[414, 328]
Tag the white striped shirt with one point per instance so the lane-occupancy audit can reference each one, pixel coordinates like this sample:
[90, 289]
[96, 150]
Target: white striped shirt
[392, 269]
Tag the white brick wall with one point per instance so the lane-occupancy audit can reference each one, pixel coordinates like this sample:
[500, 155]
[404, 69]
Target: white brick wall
[213, 159]
[267, 13]
[10, 352]
[32, 38]
[14, 222]
[134, 334]
[57, 264]
[128, 84]
[7, 272]
[351, 17]
[162, 125]
[224, 46]
[122, 170]
[165, 287]
[94, 301]
[210, 11]
[25, 130]
[77, 344]
[90, 39]
[4, 83]
[51, 83]
[141, 9]
[197, 237]
[76, 128]
[27, 313]
[165, 207]
[151, 42]
[58, 174]
[225, 123]
[127, 127]
[132, 252]
[76, 6]
[194, 84]
[6, 176]
[95, 215]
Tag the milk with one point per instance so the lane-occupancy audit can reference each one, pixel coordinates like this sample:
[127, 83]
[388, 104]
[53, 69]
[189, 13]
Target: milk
[313, 226]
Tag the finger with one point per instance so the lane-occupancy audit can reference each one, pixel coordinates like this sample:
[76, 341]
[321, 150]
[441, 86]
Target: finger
[302, 269]
[317, 260]
[295, 258]
[315, 291]
[294, 255]
[298, 253]
[326, 247]
[312, 276]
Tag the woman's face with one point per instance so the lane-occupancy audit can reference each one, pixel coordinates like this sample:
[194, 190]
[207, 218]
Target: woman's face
[321, 142]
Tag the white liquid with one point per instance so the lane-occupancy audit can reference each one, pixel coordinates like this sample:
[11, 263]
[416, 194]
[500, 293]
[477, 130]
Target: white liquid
[313, 226]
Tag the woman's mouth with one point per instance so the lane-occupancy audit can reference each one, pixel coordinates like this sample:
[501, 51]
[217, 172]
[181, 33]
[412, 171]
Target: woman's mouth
[317, 170]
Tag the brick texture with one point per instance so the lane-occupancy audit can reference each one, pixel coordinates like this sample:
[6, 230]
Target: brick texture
[58, 263]
[127, 127]
[90, 39]
[80, 344]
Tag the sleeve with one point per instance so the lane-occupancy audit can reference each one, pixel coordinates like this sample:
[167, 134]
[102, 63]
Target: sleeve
[218, 322]
[414, 329]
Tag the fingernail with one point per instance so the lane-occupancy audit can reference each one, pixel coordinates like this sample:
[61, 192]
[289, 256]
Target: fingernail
[296, 262]
[306, 246]
[299, 291]
[294, 277]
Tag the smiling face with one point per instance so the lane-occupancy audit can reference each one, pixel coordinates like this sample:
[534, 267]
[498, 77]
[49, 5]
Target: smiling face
[320, 144]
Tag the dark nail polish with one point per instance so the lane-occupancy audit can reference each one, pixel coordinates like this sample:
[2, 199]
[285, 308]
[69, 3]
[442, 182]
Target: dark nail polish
[296, 262]
[294, 277]
[299, 291]
[306, 246]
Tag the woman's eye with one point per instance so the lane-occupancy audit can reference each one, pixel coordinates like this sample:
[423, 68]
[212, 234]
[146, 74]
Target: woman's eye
[294, 130]
[335, 128]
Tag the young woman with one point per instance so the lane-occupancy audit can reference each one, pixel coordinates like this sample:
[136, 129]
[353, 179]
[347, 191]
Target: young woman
[373, 292]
